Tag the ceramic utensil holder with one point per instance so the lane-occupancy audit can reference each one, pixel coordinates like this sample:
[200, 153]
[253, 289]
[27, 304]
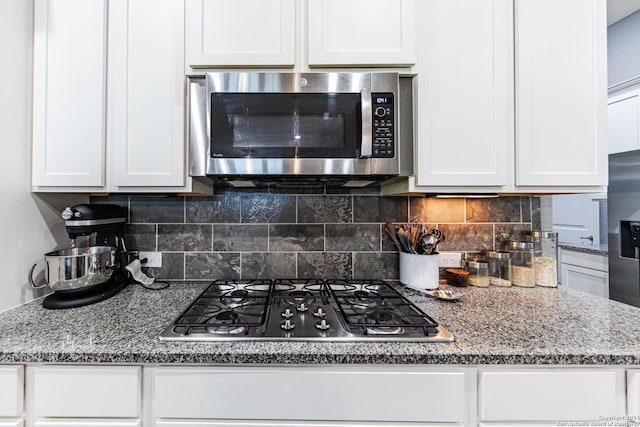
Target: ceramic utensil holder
[419, 271]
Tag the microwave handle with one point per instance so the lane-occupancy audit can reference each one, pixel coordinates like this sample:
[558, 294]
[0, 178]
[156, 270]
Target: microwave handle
[366, 144]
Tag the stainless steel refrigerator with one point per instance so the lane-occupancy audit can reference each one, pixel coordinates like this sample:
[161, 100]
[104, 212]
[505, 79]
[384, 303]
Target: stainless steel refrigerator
[623, 210]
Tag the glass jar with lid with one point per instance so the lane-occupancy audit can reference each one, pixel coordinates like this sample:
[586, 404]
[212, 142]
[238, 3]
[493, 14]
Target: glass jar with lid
[546, 257]
[522, 263]
[478, 273]
[499, 268]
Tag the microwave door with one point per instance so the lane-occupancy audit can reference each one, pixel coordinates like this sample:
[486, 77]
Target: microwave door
[366, 143]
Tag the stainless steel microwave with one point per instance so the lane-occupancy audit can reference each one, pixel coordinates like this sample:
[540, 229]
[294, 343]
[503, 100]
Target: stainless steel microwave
[293, 126]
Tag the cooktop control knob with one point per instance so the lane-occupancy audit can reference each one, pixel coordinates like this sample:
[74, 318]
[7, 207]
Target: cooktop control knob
[287, 325]
[323, 325]
[287, 314]
[320, 313]
[303, 307]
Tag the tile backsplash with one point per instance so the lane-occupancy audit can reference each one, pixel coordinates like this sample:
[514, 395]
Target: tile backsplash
[240, 234]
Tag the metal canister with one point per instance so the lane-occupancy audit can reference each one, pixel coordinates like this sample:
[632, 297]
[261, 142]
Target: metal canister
[546, 257]
[499, 268]
[522, 263]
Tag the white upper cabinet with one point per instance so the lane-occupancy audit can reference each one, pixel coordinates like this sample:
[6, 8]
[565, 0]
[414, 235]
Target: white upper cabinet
[70, 46]
[464, 101]
[228, 33]
[361, 32]
[624, 121]
[109, 90]
[146, 92]
[511, 97]
[561, 93]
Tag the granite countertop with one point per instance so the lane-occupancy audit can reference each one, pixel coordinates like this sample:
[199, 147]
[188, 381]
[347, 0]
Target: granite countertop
[597, 249]
[491, 326]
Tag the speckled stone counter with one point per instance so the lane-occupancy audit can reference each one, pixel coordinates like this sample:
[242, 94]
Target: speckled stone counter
[491, 326]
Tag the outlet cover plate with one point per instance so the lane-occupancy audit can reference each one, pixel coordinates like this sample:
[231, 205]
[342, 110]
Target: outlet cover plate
[450, 259]
[154, 259]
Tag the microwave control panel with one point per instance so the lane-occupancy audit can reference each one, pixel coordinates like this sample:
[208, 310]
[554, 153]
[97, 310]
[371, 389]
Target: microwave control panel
[383, 125]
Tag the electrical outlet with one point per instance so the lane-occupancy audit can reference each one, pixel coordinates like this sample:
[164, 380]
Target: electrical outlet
[154, 259]
[450, 259]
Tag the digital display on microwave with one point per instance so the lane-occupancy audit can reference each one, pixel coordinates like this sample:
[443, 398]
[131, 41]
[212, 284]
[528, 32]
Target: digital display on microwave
[384, 100]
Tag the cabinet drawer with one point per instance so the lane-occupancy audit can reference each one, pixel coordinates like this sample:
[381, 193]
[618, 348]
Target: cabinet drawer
[362, 394]
[550, 394]
[86, 423]
[78, 391]
[11, 390]
[633, 392]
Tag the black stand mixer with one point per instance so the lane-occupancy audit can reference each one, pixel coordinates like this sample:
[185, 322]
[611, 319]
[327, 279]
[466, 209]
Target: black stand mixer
[87, 274]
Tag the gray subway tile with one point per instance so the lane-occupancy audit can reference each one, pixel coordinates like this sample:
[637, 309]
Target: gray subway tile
[268, 209]
[466, 237]
[240, 237]
[352, 237]
[140, 236]
[506, 232]
[156, 210]
[214, 209]
[324, 209]
[499, 209]
[268, 265]
[212, 266]
[380, 265]
[433, 210]
[184, 237]
[380, 209]
[326, 265]
[296, 237]
[172, 267]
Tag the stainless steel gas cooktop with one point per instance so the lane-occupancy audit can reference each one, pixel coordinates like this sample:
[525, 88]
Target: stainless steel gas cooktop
[304, 310]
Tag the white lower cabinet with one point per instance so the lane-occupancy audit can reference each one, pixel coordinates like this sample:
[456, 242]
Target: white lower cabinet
[550, 395]
[81, 396]
[308, 395]
[11, 396]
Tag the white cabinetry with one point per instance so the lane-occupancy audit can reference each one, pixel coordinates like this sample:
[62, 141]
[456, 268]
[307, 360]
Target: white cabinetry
[361, 32]
[109, 96]
[423, 395]
[550, 395]
[90, 395]
[69, 93]
[222, 33]
[624, 120]
[585, 272]
[11, 396]
[508, 99]
[299, 34]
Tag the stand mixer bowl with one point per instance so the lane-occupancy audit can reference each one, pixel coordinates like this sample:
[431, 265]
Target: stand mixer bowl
[77, 268]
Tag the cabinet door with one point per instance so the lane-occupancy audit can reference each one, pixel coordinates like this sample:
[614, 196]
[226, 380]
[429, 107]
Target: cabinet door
[436, 395]
[146, 139]
[465, 93]
[85, 391]
[550, 394]
[561, 117]
[594, 282]
[70, 42]
[223, 33]
[11, 423]
[361, 32]
[624, 122]
[11, 391]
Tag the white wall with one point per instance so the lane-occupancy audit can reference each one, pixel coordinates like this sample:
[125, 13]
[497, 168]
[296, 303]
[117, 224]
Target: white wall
[29, 225]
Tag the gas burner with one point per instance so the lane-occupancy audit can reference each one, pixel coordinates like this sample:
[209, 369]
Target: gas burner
[381, 318]
[227, 330]
[237, 298]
